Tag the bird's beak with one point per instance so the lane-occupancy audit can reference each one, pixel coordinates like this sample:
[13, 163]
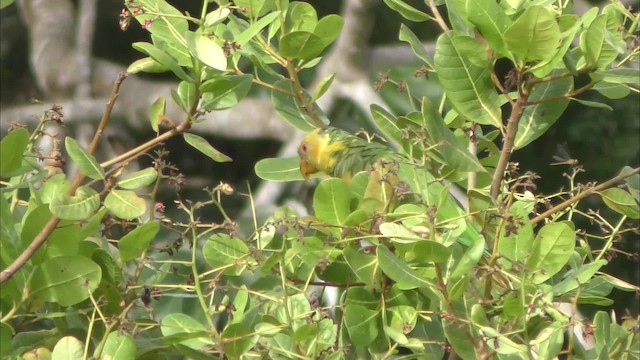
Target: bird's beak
[307, 169]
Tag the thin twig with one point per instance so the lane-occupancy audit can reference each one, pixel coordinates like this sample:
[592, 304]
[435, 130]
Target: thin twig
[438, 17]
[46, 231]
[565, 204]
[293, 74]
[563, 96]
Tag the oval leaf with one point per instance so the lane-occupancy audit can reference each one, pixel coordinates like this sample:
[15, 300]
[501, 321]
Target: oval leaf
[83, 160]
[139, 179]
[12, 147]
[279, 169]
[125, 204]
[66, 280]
[77, 207]
[210, 53]
[136, 242]
[621, 202]
[202, 145]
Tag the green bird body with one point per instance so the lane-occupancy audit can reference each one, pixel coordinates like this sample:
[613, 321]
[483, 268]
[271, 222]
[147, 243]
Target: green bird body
[340, 154]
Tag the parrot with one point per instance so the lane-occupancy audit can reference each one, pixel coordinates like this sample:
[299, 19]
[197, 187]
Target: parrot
[393, 177]
[338, 153]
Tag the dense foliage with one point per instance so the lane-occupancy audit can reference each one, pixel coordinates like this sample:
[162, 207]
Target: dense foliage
[497, 272]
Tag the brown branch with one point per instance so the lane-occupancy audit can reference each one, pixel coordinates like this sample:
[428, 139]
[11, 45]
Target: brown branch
[565, 204]
[512, 128]
[44, 234]
[293, 74]
[564, 96]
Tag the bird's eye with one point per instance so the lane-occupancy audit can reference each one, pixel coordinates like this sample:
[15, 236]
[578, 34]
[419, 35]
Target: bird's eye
[304, 148]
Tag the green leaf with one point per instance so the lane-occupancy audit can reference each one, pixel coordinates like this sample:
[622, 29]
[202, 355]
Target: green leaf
[612, 90]
[267, 329]
[407, 11]
[569, 24]
[12, 147]
[177, 325]
[399, 271]
[222, 252]
[256, 27]
[387, 123]
[139, 179]
[216, 16]
[409, 37]
[491, 21]
[398, 233]
[146, 65]
[602, 334]
[577, 277]
[328, 29]
[163, 58]
[68, 348]
[363, 265]
[292, 110]
[66, 280]
[77, 207]
[621, 202]
[5, 3]
[598, 44]
[119, 346]
[534, 36]
[238, 340]
[156, 112]
[58, 184]
[537, 119]
[361, 324]
[6, 333]
[279, 169]
[186, 95]
[301, 16]
[633, 182]
[225, 92]
[463, 70]
[502, 344]
[428, 251]
[134, 243]
[515, 245]
[469, 260]
[593, 104]
[331, 201]
[256, 8]
[170, 24]
[322, 87]
[551, 250]
[202, 145]
[125, 204]
[302, 45]
[210, 53]
[619, 76]
[453, 152]
[63, 240]
[549, 341]
[83, 160]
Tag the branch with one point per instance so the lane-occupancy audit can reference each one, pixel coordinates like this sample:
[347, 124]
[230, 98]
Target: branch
[565, 204]
[512, 128]
[438, 17]
[43, 235]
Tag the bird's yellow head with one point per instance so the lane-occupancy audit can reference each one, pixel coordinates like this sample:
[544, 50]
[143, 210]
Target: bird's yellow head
[316, 151]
